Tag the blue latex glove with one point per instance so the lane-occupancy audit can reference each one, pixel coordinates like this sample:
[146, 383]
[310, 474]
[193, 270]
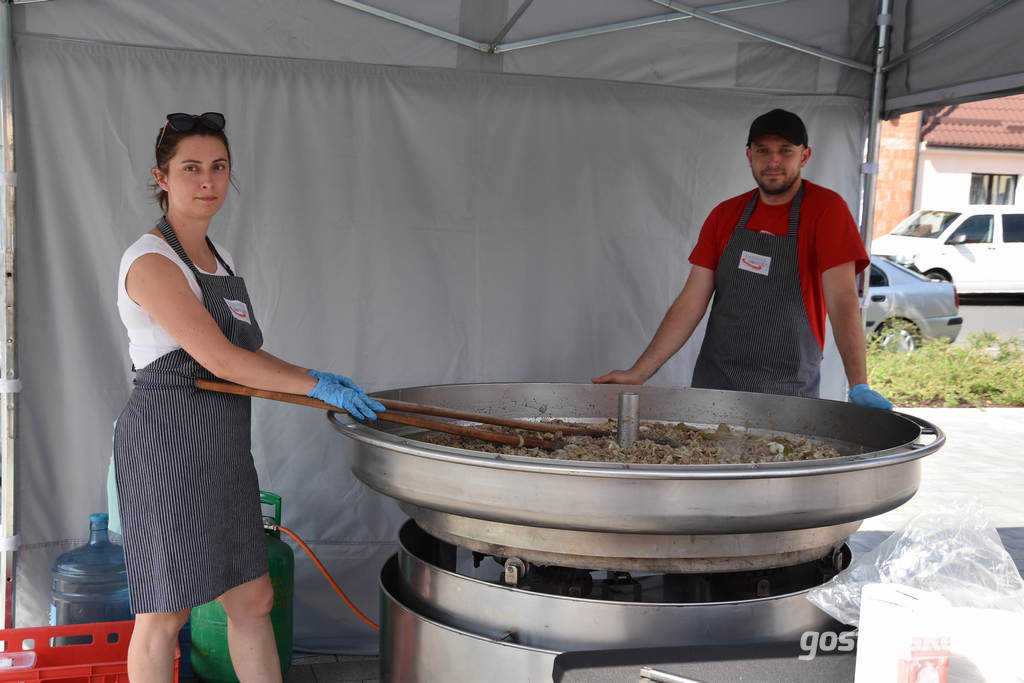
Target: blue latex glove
[340, 379]
[863, 395]
[355, 402]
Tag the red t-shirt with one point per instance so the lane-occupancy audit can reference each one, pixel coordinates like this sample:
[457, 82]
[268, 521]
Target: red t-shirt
[828, 237]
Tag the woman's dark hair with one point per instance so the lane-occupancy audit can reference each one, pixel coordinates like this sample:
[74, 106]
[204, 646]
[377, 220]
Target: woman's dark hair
[167, 141]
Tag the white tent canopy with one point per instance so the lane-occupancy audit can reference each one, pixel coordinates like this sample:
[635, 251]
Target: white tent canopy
[428, 192]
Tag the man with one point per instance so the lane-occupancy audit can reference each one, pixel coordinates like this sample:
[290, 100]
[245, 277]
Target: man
[776, 259]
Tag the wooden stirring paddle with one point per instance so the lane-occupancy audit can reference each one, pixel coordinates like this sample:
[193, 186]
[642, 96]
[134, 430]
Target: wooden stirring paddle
[438, 411]
[411, 420]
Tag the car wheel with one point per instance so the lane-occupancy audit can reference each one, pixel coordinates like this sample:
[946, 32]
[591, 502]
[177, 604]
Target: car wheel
[899, 335]
[940, 275]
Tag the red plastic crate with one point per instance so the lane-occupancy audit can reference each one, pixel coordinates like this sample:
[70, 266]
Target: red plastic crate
[100, 661]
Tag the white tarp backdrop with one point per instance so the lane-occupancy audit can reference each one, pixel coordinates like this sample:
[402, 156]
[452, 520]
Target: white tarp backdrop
[408, 212]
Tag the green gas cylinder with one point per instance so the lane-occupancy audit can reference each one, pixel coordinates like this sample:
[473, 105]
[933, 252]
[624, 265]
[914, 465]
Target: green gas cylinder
[210, 658]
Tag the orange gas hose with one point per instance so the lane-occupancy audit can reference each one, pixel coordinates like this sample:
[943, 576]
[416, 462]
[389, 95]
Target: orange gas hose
[320, 566]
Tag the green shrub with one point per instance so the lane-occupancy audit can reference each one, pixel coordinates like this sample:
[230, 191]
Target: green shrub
[987, 371]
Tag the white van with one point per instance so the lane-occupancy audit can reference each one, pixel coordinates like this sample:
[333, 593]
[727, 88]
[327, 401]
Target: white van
[979, 248]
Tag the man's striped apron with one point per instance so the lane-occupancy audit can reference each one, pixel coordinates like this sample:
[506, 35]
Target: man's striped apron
[758, 336]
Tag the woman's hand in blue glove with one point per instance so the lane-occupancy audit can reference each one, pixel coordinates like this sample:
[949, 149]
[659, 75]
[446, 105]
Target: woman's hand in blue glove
[355, 402]
[340, 379]
[863, 395]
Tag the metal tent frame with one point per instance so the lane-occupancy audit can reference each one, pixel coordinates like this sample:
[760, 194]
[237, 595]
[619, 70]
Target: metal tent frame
[9, 384]
[713, 14]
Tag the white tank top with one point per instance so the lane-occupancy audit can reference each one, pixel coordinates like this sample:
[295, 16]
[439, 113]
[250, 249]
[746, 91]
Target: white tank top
[147, 341]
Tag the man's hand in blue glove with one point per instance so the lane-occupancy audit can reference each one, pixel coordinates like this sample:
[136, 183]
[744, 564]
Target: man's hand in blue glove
[354, 401]
[863, 395]
[333, 377]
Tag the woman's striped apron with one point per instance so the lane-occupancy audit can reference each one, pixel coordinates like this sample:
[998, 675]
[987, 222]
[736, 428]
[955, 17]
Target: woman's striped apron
[187, 486]
[758, 336]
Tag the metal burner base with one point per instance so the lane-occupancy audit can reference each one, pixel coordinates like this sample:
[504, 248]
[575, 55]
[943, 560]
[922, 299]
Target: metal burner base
[438, 624]
[664, 553]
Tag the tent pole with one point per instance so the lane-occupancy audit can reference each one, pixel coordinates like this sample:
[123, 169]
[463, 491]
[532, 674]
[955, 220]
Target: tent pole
[510, 23]
[630, 24]
[9, 383]
[497, 47]
[869, 170]
[412, 23]
[942, 35]
[704, 15]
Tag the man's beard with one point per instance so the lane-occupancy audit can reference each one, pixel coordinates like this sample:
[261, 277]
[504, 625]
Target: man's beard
[776, 190]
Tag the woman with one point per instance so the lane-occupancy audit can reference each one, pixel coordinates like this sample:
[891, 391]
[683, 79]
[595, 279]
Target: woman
[187, 486]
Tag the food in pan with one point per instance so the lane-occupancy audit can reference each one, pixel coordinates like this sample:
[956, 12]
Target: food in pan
[658, 443]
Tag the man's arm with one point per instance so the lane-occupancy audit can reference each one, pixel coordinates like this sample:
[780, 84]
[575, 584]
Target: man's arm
[675, 329]
[839, 285]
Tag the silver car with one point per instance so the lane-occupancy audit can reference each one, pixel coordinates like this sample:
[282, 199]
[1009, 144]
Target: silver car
[905, 307]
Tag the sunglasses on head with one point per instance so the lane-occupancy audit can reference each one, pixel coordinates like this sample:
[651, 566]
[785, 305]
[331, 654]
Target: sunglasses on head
[183, 123]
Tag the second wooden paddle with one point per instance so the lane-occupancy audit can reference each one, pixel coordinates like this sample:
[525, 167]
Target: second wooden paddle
[438, 411]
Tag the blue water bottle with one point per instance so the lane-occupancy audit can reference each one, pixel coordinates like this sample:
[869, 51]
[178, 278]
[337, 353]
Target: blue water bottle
[90, 583]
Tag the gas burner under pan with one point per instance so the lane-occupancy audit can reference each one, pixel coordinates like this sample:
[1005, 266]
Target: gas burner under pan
[501, 614]
[514, 572]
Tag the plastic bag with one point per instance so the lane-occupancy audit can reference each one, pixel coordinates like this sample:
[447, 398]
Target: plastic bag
[952, 551]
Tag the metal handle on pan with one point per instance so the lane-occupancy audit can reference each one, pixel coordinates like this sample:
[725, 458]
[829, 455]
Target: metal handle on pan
[658, 676]
[927, 429]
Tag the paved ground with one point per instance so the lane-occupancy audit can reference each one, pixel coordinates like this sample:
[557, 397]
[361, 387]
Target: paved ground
[332, 669]
[1001, 314]
[983, 457]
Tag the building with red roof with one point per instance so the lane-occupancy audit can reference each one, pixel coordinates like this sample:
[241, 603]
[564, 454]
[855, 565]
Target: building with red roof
[970, 153]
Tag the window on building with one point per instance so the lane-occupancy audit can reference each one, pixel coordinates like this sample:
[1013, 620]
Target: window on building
[993, 188]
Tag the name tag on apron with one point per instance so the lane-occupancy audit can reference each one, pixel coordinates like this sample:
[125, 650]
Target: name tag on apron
[238, 309]
[755, 263]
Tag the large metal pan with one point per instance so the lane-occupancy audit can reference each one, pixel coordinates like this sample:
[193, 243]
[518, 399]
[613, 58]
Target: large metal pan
[879, 469]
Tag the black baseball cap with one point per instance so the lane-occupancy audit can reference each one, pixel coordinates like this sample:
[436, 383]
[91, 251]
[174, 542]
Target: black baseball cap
[785, 124]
